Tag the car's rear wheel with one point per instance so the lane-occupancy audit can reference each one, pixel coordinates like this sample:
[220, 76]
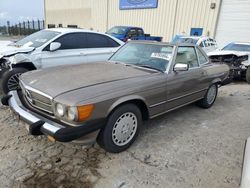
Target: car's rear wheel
[248, 75]
[209, 97]
[10, 80]
[121, 130]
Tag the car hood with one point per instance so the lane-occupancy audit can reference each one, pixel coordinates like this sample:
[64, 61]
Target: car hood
[227, 52]
[8, 50]
[60, 80]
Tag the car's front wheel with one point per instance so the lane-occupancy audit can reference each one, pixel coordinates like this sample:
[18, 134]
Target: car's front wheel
[248, 75]
[209, 97]
[121, 130]
[10, 79]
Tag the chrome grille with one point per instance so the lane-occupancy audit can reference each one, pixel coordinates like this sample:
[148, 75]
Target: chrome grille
[38, 100]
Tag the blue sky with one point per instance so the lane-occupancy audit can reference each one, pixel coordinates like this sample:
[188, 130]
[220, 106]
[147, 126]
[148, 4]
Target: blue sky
[20, 10]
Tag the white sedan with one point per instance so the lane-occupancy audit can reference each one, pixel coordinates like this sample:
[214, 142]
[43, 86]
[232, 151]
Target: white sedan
[53, 47]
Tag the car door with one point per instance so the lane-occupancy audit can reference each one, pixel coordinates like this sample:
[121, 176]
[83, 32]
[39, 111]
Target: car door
[100, 47]
[184, 86]
[72, 51]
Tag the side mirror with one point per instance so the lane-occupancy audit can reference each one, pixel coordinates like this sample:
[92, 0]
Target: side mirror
[54, 46]
[181, 67]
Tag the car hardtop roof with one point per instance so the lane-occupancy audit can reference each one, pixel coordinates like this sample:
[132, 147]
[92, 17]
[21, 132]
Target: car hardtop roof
[71, 30]
[195, 37]
[244, 43]
[160, 43]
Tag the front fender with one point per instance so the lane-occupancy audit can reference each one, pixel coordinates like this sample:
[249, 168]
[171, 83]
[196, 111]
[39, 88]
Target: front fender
[124, 100]
[19, 58]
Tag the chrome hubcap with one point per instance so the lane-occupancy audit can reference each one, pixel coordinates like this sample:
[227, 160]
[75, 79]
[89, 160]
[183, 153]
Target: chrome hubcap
[124, 129]
[13, 82]
[211, 94]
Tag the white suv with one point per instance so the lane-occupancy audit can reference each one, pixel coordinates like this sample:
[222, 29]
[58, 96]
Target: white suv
[53, 47]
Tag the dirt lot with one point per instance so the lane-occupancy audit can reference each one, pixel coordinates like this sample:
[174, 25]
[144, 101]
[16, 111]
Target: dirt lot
[190, 147]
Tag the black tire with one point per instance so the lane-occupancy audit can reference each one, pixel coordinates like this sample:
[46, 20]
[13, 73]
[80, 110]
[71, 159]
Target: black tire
[248, 75]
[106, 138]
[8, 75]
[206, 102]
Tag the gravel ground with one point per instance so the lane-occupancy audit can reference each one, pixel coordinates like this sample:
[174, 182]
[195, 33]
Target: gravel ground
[190, 147]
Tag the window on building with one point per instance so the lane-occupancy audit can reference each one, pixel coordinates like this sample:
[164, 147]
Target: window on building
[72, 26]
[100, 41]
[72, 41]
[51, 25]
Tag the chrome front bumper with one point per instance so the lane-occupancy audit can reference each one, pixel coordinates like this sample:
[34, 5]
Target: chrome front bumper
[39, 125]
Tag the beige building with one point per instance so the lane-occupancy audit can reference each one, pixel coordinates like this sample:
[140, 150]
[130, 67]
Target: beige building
[223, 19]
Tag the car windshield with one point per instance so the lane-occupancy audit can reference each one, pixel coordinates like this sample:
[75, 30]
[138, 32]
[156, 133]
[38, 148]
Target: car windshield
[117, 30]
[237, 47]
[37, 39]
[153, 56]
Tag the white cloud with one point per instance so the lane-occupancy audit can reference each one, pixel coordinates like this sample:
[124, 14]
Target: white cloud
[4, 15]
[26, 18]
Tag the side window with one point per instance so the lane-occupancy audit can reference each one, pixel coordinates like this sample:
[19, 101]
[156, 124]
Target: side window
[132, 33]
[187, 55]
[72, 41]
[100, 41]
[201, 44]
[201, 56]
[140, 32]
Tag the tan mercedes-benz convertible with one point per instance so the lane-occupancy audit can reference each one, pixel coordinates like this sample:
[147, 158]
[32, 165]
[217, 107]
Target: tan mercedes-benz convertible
[111, 99]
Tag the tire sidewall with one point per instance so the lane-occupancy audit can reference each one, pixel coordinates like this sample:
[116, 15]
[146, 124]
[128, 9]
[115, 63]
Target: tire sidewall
[7, 75]
[206, 96]
[107, 141]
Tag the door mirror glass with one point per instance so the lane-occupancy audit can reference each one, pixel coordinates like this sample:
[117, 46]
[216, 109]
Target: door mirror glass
[181, 67]
[54, 46]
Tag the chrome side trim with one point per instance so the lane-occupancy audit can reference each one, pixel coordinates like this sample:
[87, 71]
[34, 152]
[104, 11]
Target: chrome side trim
[175, 108]
[186, 95]
[157, 104]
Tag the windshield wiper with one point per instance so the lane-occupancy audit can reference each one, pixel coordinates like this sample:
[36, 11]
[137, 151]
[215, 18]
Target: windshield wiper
[150, 67]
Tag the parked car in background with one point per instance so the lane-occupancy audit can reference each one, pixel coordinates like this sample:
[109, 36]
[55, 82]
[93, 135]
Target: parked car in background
[140, 81]
[53, 47]
[206, 43]
[126, 33]
[237, 56]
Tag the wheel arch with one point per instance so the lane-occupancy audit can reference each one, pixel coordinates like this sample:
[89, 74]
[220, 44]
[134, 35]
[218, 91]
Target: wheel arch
[136, 100]
[27, 65]
[217, 81]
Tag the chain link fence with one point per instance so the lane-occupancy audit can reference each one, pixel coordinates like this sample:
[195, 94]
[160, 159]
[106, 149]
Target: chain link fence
[22, 28]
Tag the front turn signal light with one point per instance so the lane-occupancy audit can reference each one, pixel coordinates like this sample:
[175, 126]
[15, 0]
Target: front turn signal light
[84, 112]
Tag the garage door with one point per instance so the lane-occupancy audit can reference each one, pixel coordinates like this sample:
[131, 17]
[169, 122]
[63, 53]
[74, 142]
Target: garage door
[234, 22]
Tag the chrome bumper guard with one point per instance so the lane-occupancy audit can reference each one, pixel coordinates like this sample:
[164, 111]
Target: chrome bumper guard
[39, 125]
